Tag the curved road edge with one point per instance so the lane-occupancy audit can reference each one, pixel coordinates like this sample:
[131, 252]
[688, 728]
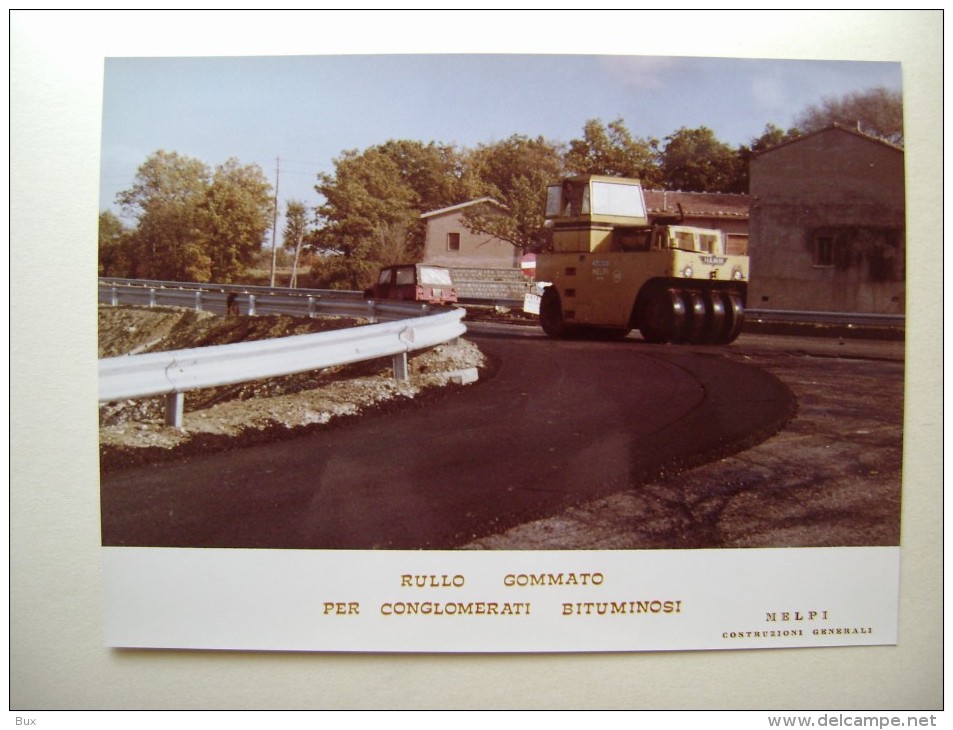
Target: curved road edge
[559, 424]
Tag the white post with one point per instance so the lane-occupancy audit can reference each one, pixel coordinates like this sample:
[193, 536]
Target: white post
[401, 369]
[174, 407]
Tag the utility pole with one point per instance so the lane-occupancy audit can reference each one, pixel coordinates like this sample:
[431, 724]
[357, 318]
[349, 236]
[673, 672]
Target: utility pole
[274, 225]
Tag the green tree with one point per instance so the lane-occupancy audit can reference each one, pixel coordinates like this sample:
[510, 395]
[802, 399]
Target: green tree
[372, 206]
[192, 224]
[772, 136]
[435, 173]
[114, 259]
[694, 160]
[235, 216]
[877, 111]
[515, 173]
[367, 214]
[611, 150]
[166, 200]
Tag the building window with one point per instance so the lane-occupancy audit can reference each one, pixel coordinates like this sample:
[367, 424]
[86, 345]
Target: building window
[736, 243]
[824, 251]
[453, 241]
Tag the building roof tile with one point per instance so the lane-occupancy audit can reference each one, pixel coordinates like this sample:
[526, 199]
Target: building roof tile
[715, 205]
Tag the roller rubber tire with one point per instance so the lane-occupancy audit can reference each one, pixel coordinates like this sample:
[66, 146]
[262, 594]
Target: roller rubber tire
[734, 318]
[663, 316]
[696, 322]
[551, 314]
[717, 317]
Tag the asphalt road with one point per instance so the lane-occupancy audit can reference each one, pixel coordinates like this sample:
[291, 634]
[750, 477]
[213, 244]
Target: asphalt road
[832, 477]
[557, 424]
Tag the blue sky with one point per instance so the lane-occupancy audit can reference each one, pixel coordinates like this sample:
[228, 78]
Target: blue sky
[306, 110]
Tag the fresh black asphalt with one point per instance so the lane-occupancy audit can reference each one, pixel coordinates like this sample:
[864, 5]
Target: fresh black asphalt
[555, 423]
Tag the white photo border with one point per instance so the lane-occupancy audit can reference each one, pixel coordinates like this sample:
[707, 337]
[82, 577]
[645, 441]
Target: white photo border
[56, 601]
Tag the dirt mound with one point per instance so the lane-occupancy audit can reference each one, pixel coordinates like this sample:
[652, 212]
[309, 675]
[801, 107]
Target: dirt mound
[133, 431]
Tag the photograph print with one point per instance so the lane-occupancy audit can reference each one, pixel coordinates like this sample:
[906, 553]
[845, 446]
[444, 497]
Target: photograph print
[484, 306]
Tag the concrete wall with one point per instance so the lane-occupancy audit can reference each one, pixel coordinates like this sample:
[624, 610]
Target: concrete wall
[836, 185]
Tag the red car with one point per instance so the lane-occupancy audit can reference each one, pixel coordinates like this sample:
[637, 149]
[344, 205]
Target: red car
[415, 283]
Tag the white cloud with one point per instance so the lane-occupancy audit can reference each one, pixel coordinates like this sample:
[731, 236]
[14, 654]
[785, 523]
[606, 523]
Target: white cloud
[769, 94]
[642, 72]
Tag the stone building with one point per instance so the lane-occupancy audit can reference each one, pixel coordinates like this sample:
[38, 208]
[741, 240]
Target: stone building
[827, 224]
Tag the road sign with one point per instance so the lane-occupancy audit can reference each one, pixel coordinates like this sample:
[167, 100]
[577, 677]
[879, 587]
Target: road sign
[528, 265]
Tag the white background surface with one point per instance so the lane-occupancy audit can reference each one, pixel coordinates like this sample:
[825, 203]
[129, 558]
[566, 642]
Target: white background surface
[57, 658]
[522, 601]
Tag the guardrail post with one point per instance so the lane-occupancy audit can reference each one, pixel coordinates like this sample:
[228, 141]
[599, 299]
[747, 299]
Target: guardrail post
[251, 305]
[372, 311]
[401, 369]
[198, 301]
[310, 306]
[152, 296]
[113, 296]
[174, 407]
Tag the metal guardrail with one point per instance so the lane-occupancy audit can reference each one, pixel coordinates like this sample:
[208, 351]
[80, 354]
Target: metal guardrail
[172, 373]
[212, 287]
[265, 300]
[764, 315]
[832, 318]
[255, 300]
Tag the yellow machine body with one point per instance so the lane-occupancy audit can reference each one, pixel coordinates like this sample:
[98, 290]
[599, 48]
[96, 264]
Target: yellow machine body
[609, 268]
